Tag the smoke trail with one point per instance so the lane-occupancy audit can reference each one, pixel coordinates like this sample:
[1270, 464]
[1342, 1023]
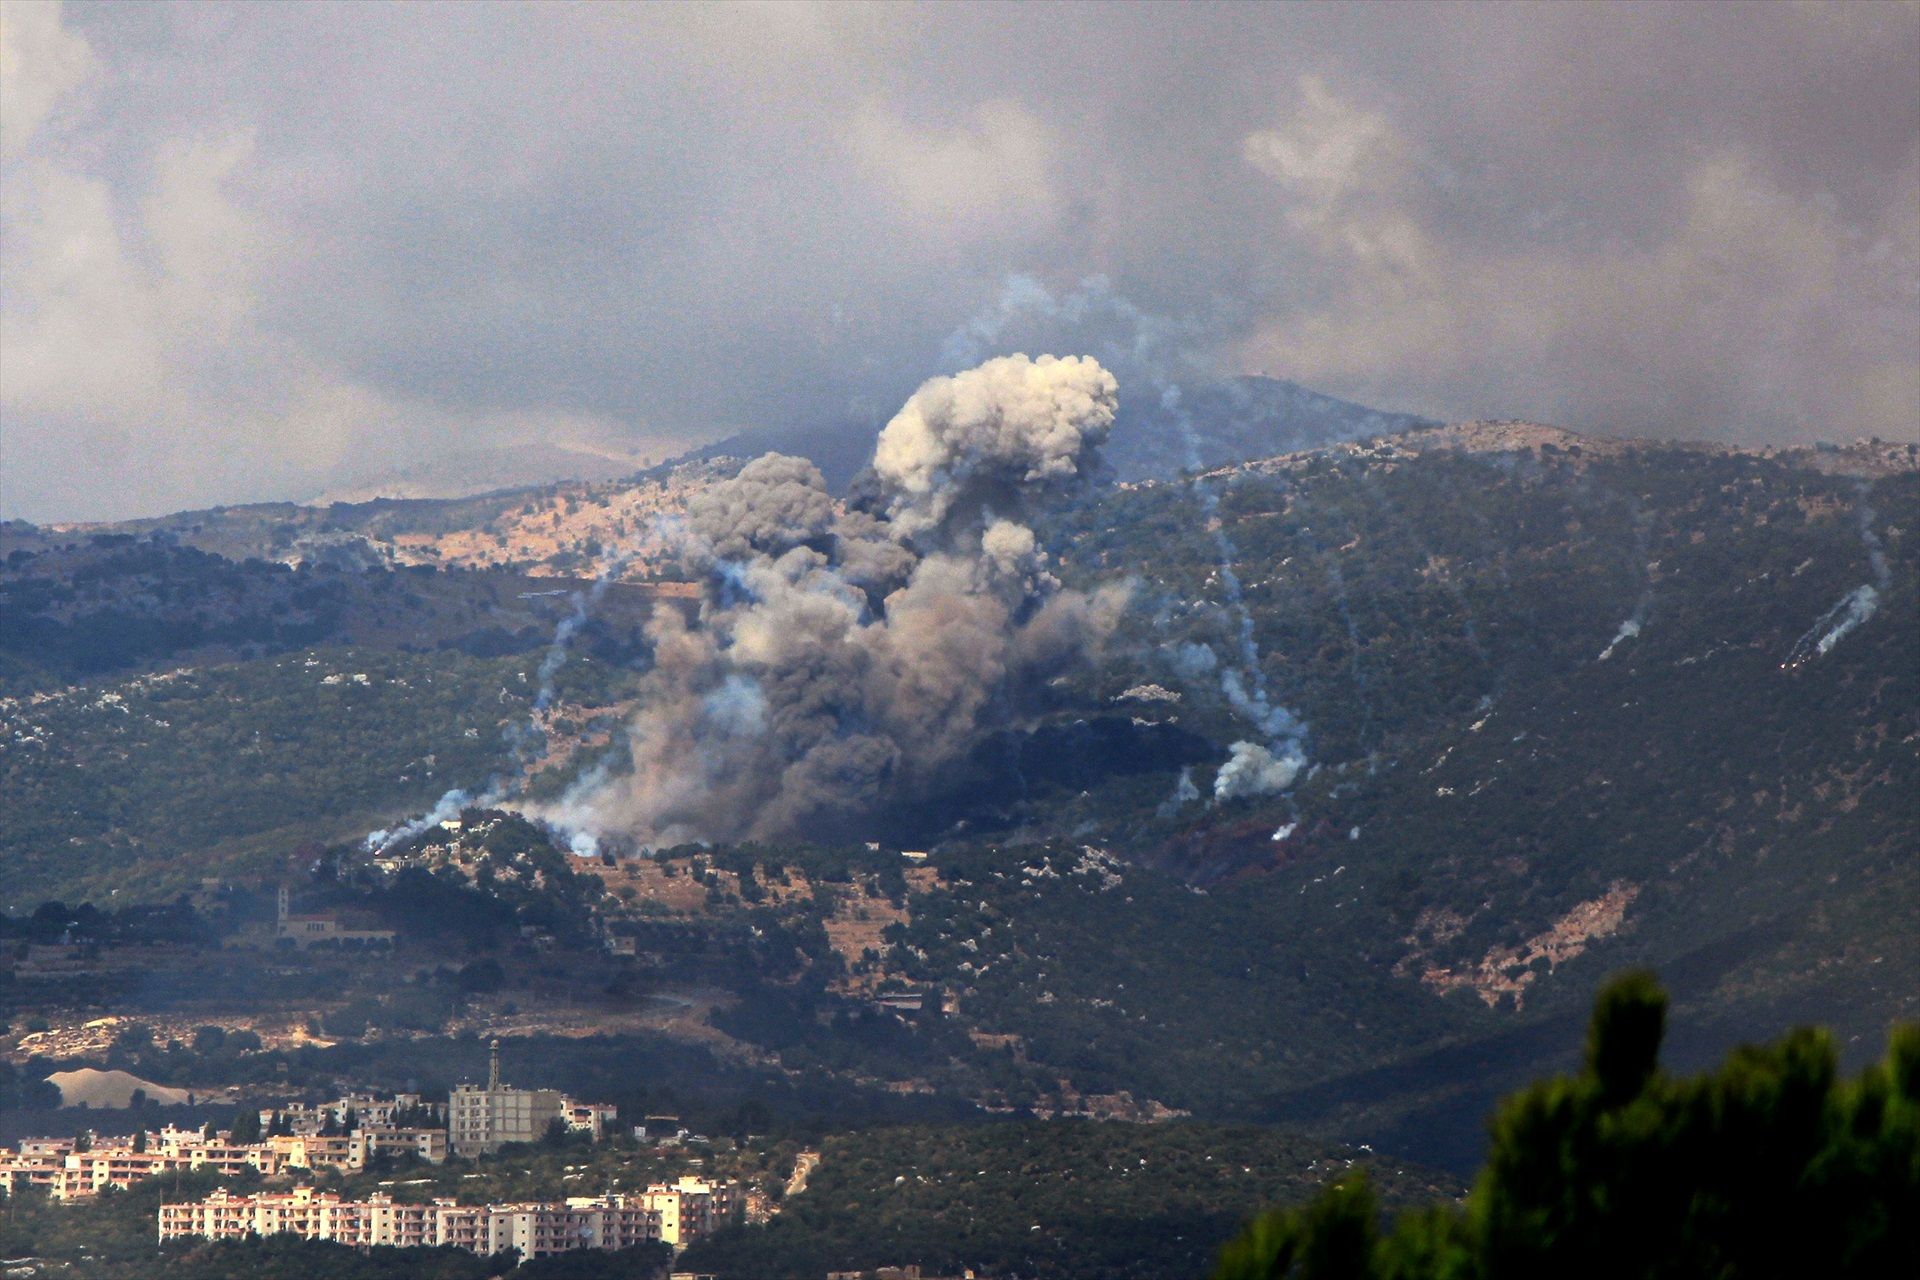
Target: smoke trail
[1252, 768]
[1630, 629]
[1855, 608]
[1184, 793]
[843, 654]
[1865, 515]
[447, 806]
[523, 738]
[1146, 348]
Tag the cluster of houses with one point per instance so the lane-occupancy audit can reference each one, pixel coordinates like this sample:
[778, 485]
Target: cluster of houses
[676, 1213]
[76, 1168]
[347, 1134]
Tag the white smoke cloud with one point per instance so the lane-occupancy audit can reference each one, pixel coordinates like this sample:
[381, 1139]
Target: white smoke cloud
[841, 656]
[1628, 630]
[1154, 352]
[1254, 770]
[1011, 421]
[1858, 606]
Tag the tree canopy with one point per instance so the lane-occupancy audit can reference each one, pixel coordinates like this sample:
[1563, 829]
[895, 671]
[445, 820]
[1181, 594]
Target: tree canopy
[1771, 1165]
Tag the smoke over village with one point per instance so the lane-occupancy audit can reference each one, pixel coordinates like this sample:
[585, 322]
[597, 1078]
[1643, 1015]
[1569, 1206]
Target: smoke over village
[818, 640]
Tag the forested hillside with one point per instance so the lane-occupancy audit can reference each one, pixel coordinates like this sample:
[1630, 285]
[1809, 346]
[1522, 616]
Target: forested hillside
[1568, 705]
[1073, 1199]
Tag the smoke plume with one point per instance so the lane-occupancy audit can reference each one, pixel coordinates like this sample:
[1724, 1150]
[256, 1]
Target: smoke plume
[1855, 608]
[1628, 630]
[525, 739]
[845, 654]
[1152, 351]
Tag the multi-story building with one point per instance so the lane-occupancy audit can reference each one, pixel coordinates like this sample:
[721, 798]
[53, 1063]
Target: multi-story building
[368, 1145]
[692, 1207]
[358, 1149]
[325, 928]
[485, 1119]
[61, 1168]
[596, 1118]
[65, 1172]
[536, 1229]
[363, 1110]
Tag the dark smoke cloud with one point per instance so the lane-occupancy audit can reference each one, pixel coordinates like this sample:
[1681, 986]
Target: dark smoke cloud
[842, 654]
[253, 247]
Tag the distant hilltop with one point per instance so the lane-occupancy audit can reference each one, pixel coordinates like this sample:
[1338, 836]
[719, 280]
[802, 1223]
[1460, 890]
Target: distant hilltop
[1866, 458]
[581, 528]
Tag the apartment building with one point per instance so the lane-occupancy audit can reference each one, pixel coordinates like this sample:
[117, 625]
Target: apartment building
[364, 1110]
[536, 1229]
[66, 1173]
[484, 1119]
[356, 1150]
[596, 1118]
[692, 1207]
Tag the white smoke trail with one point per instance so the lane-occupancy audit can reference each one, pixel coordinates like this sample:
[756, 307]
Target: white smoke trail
[1876, 554]
[1149, 350]
[448, 806]
[1854, 609]
[1628, 630]
[1642, 545]
[522, 737]
[1184, 793]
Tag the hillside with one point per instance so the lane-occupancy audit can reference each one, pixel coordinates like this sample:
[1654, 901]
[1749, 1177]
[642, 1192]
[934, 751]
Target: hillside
[106, 604]
[1569, 705]
[1070, 1199]
[566, 529]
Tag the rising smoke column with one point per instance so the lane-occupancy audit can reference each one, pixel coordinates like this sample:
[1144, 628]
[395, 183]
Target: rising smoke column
[1636, 621]
[1148, 348]
[840, 655]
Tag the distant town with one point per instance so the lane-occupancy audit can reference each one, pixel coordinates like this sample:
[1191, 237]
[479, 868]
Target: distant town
[352, 1133]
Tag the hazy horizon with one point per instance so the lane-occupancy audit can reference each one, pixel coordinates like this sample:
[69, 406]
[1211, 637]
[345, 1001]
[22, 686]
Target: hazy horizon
[256, 251]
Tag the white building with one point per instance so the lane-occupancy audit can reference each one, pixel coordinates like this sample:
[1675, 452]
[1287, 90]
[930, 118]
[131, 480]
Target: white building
[537, 1229]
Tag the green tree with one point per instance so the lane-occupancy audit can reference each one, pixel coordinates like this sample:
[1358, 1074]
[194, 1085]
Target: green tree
[1771, 1165]
[246, 1126]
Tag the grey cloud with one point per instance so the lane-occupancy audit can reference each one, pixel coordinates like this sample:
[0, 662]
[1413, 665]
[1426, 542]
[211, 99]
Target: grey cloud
[774, 503]
[300, 236]
[804, 692]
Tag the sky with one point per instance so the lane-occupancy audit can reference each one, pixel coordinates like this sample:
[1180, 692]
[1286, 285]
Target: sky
[249, 250]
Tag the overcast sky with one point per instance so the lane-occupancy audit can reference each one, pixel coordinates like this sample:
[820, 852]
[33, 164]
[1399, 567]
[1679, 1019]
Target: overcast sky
[251, 249]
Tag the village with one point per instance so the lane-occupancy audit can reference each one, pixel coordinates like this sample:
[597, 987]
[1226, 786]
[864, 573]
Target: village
[355, 1133]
